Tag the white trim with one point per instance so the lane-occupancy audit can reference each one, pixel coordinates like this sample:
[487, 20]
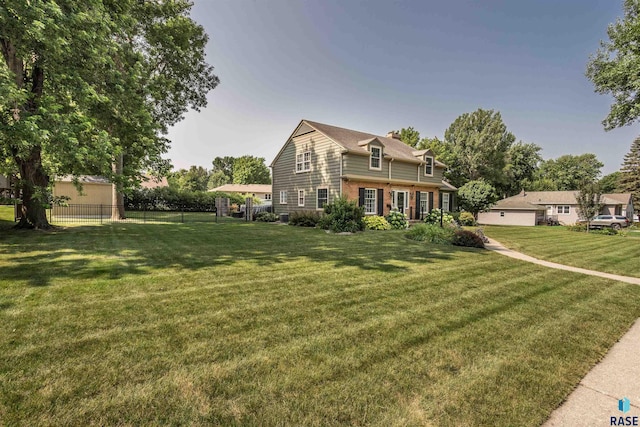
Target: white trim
[379, 158]
[283, 193]
[301, 193]
[318, 189]
[447, 197]
[564, 211]
[424, 198]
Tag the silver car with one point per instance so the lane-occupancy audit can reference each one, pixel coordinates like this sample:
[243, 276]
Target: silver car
[614, 221]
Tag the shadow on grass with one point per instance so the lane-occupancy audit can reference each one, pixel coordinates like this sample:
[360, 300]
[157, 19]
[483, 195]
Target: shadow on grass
[117, 250]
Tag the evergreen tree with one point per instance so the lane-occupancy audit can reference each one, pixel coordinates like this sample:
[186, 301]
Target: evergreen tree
[630, 174]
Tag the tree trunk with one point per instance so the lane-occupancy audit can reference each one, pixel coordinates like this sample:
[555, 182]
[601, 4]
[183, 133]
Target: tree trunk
[33, 183]
[117, 209]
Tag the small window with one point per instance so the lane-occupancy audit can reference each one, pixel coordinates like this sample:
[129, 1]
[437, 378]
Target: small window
[562, 209]
[322, 198]
[283, 197]
[303, 162]
[370, 199]
[502, 213]
[428, 167]
[300, 197]
[376, 155]
[267, 196]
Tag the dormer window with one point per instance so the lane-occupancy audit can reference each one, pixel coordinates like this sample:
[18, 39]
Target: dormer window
[428, 166]
[375, 160]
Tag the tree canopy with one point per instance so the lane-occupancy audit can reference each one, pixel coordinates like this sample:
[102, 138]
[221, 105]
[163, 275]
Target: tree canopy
[251, 170]
[613, 69]
[477, 196]
[629, 181]
[567, 172]
[86, 83]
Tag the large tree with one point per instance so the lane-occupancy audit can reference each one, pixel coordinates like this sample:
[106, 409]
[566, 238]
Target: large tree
[567, 172]
[409, 136]
[630, 174]
[610, 183]
[614, 67]
[91, 87]
[250, 170]
[193, 179]
[522, 162]
[478, 142]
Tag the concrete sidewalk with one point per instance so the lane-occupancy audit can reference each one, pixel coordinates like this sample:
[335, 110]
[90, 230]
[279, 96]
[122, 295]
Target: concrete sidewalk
[594, 402]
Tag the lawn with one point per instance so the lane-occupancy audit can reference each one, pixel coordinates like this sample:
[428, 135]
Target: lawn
[610, 254]
[263, 324]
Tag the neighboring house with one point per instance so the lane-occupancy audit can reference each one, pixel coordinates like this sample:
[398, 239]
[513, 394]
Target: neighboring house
[96, 196]
[320, 162]
[259, 191]
[542, 207]
[150, 182]
[5, 186]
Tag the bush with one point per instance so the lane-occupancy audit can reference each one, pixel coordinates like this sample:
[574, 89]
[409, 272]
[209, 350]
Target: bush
[375, 222]
[577, 227]
[170, 199]
[304, 218]
[343, 216]
[433, 217]
[466, 219]
[430, 233]
[266, 217]
[467, 238]
[397, 220]
[606, 231]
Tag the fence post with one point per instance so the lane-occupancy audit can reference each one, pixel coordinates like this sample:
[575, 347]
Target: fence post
[100, 213]
[182, 214]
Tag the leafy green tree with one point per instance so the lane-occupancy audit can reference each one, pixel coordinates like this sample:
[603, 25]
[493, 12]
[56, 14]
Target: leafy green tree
[630, 174]
[477, 196]
[522, 162]
[589, 200]
[614, 67]
[251, 170]
[217, 179]
[224, 165]
[92, 87]
[610, 183]
[478, 142]
[568, 172]
[409, 136]
[193, 179]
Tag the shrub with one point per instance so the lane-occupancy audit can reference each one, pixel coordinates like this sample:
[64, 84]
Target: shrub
[467, 238]
[606, 231]
[170, 199]
[343, 216]
[304, 218]
[397, 220]
[375, 222]
[430, 233]
[577, 227]
[266, 217]
[466, 219]
[433, 217]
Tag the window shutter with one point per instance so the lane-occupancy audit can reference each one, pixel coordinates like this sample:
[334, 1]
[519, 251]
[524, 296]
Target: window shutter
[380, 201]
[440, 200]
[361, 196]
[417, 216]
[430, 201]
[452, 202]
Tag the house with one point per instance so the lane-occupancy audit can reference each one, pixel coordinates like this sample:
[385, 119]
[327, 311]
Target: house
[259, 191]
[319, 162]
[96, 195]
[150, 182]
[5, 186]
[542, 207]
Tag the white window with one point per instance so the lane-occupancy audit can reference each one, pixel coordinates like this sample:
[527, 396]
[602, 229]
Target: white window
[303, 162]
[445, 202]
[563, 209]
[322, 197]
[428, 167]
[400, 200]
[370, 201]
[300, 197]
[267, 196]
[376, 155]
[501, 213]
[424, 203]
[283, 197]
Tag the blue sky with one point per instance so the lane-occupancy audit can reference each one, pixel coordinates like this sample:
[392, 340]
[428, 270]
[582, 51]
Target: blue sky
[377, 66]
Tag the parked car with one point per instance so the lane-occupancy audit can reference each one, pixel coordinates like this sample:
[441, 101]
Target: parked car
[613, 221]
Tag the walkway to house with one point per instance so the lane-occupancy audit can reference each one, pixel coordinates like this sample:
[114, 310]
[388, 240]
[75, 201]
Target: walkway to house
[595, 400]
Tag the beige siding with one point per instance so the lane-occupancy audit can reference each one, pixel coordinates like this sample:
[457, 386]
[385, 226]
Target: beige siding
[324, 173]
[92, 194]
[510, 217]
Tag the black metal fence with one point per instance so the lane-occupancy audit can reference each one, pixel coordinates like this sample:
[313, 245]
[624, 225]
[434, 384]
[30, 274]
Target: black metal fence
[76, 213]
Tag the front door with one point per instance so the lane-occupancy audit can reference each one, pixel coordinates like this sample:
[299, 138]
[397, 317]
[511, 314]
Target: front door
[400, 203]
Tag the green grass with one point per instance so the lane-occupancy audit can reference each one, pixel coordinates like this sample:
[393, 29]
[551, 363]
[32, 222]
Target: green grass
[610, 254]
[264, 324]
